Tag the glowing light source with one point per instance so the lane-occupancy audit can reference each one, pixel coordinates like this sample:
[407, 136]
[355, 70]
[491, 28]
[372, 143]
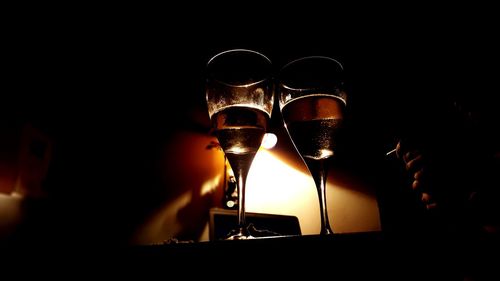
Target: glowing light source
[269, 140]
[276, 187]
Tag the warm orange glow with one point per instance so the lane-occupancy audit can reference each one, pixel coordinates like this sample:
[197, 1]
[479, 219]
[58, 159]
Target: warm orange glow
[165, 223]
[210, 185]
[193, 175]
[11, 211]
[275, 187]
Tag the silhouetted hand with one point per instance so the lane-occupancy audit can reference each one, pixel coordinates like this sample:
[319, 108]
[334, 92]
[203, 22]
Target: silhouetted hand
[415, 163]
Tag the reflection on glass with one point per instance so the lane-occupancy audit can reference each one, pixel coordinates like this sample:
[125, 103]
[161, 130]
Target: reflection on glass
[312, 104]
[239, 93]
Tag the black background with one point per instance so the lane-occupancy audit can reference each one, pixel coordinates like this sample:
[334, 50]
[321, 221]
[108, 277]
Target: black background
[112, 86]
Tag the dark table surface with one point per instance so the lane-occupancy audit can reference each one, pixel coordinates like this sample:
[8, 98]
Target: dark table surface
[351, 256]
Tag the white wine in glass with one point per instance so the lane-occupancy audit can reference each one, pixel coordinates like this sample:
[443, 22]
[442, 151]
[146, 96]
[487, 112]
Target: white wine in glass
[239, 93]
[312, 104]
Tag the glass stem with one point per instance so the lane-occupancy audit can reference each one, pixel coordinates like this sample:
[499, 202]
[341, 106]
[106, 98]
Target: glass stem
[241, 199]
[319, 173]
[242, 227]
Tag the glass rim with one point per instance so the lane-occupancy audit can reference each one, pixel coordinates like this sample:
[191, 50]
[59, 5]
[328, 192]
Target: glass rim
[301, 59]
[267, 77]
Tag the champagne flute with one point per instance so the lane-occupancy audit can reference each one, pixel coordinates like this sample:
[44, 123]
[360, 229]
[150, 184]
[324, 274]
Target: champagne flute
[312, 104]
[239, 94]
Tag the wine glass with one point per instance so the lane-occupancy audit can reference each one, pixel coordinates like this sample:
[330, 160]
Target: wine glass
[312, 103]
[239, 93]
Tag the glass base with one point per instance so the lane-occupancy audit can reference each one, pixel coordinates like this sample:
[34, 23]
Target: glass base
[241, 233]
[326, 231]
[250, 232]
[240, 237]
